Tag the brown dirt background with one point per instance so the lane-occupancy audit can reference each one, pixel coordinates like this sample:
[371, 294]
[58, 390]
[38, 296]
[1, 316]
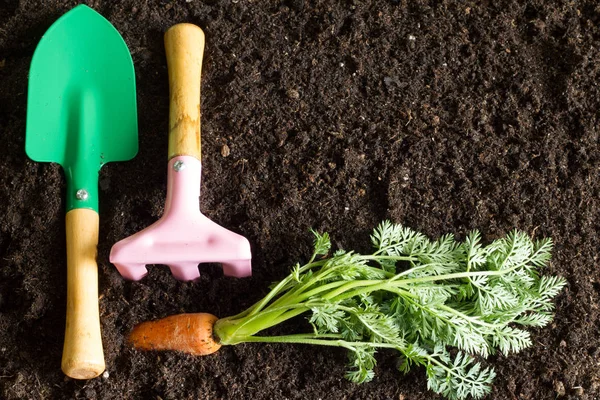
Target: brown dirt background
[443, 115]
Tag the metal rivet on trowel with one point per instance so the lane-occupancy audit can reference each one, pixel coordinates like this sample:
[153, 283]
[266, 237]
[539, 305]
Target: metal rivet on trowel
[178, 165]
[81, 194]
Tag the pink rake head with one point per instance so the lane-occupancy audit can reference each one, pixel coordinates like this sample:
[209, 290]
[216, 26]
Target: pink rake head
[183, 237]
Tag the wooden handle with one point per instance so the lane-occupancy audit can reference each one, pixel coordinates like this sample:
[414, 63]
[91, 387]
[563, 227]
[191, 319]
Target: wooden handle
[83, 357]
[184, 45]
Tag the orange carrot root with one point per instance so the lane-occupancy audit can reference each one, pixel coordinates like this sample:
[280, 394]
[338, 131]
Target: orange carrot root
[187, 333]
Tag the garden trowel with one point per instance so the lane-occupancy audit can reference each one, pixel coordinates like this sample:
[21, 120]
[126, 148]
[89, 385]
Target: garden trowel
[81, 114]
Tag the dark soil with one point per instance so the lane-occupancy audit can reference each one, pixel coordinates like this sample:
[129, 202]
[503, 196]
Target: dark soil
[445, 116]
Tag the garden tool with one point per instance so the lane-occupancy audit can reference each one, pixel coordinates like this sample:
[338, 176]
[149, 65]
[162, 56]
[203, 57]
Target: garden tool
[183, 237]
[81, 113]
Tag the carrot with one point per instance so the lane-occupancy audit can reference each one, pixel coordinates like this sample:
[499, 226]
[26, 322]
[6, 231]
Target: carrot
[411, 295]
[188, 333]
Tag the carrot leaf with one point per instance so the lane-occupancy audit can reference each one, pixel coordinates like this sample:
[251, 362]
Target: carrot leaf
[418, 297]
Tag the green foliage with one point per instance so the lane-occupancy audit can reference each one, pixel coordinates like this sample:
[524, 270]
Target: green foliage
[458, 378]
[415, 296]
[322, 244]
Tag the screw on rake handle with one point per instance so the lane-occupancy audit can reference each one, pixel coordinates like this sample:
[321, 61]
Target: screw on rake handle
[184, 45]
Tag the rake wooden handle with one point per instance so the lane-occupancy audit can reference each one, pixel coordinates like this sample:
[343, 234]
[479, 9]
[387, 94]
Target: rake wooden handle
[83, 357]
[184, 45]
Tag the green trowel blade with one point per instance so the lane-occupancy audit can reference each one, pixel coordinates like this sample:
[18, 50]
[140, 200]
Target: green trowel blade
[81, 106]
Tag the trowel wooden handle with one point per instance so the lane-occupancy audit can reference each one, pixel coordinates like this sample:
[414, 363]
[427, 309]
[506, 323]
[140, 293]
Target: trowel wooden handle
[184, 45]
[83, 357]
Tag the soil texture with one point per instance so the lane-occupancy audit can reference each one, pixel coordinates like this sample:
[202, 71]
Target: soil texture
[445, 116]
